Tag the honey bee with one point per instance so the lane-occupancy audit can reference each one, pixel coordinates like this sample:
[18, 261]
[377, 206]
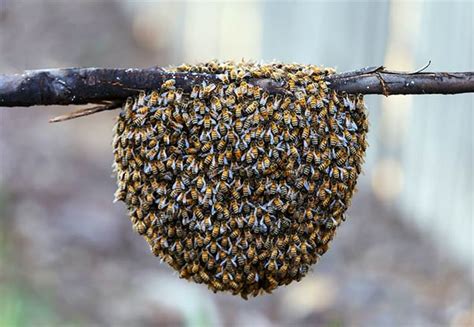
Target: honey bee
[223, 77]
[154, 96]
[283, 270]
[326, 201]
[271, 266]
[163, 243]
[168, 84]
[360, 102]
[247, 124]
[294, 120]
[213, 247]
[340, 157]
[238, 126]
[292, 85]
[238, 110]
[218, 206]
[208, 192]
[158, 166]
[221, 145]
[119, 195]
[267, 110]
[225, 277]
[208, 159]
[262, 256]
[333, 139]
[251, 219]
[244, 87]
[208, 89]
[300, 183]
[335, 172]
[323, 86]
[141, 98]
[198, 213]
[307, 169]
[323, 144]
[241, 260]
[235, 286]
[225, 173]
[200, 182]
[260, 188]
[288, 136]
[136, 175]
[138, 161]
[170, 96]
[286, 103]
[253, 151]
[255, 91]
[292, 251]
[205, 256]
[278, 203]
[287, 117]
[267, 219]
[252, 107]
[207, 121]
[144, 110]
[215, 231]
[211, 263]
[214, 135]
[171, 231]
[251, 252]
[238, 91]
[251, 277]
[194, 193]
[216, 103]
[230, 101]
[293, 152]
[266, 162]
[217, 285]
[235, 233]
[263, 98]
[204, 276]
[166, 139]
[139, 120]
[230, 89]
[312, 88]
[233, 74]
[256, 118]
[276, 103]
[234, 193]
[206, 147]
[347, 135]
[352, 174]
[311, 187]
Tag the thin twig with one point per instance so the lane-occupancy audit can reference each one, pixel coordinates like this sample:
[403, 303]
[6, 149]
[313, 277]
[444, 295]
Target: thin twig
[87, 111]
[422, 68]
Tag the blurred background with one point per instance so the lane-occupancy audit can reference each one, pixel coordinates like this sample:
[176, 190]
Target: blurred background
[68, 255]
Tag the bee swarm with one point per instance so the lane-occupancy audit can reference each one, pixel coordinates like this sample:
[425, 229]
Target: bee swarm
[234, 187]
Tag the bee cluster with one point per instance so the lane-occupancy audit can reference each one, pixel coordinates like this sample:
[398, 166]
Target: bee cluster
[233, 186]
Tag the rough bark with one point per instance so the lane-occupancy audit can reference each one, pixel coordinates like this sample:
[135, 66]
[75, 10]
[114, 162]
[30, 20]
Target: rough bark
[96, 85]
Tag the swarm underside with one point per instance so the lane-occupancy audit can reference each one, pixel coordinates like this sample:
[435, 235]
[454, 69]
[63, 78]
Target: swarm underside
[234, 187]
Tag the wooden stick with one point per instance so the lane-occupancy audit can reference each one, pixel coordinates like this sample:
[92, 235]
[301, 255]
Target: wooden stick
[95, 85]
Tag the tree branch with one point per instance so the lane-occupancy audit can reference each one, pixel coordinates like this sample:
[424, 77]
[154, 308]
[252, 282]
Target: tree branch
[86, 85]
[391, 83]
[96, 85]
